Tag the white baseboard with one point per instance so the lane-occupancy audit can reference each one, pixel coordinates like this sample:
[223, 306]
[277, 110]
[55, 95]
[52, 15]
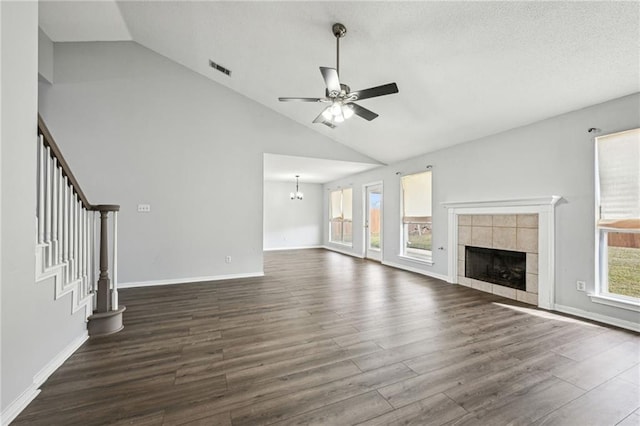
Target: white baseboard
[629, 325]
[20, 403]
[189, 280]
[416, 270]
[338, 250]
[292, 248]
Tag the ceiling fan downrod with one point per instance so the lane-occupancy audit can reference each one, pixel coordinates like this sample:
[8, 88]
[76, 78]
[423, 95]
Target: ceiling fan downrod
[339, 31]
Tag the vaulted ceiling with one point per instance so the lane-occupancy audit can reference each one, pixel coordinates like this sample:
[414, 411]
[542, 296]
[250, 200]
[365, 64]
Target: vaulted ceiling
[464, 69]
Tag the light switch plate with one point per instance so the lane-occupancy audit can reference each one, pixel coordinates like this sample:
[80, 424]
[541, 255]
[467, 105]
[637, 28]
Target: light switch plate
[144, 208]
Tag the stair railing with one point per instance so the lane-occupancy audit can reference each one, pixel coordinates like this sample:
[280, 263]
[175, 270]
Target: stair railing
[66, 225]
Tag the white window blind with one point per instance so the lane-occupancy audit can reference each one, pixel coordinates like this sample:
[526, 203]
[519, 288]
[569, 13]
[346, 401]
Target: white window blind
[416, 198]
[619, 179]
[336, 205]
[347, 204]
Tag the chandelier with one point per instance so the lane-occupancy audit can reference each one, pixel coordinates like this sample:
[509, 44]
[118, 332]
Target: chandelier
[296, 195]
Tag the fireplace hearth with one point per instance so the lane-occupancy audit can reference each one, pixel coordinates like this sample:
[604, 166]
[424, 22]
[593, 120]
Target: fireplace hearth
[503, 267]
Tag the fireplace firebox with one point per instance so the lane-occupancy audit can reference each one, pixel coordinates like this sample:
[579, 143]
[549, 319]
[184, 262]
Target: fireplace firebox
[503, 267]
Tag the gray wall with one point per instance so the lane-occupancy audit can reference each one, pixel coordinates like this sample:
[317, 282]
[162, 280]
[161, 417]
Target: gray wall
[551, 157]
[292, 223]
[139, 128]
[45, 57]
[35, 328]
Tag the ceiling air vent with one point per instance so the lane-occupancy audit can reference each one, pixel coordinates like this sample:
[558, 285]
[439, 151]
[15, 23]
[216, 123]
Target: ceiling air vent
[219, 68]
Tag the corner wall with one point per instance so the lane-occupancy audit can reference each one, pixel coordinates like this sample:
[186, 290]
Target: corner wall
[36, 330]
[290, 223]
[550, 157]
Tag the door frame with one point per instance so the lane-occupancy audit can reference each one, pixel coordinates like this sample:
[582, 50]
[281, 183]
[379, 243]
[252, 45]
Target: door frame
[365, 220]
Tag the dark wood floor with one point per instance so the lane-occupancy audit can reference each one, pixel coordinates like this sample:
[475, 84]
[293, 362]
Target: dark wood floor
[329, 339]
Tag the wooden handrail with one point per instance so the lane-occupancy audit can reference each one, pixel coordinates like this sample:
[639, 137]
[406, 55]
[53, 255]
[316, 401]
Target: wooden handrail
[66, 170]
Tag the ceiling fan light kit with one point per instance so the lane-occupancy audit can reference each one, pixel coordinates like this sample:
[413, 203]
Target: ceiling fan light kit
[339, 95]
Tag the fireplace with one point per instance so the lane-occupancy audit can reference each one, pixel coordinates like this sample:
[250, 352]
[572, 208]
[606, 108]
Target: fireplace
[503, 267]
[525, 225]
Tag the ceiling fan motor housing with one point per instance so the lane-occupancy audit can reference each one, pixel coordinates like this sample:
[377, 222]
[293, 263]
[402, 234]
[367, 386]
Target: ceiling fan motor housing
[339, 30]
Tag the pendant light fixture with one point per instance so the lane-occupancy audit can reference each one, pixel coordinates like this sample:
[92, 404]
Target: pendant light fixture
[296, 195]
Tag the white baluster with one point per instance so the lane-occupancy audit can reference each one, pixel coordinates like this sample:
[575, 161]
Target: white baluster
[80, 245]
[94, 256]
[72, 233]
[47, 205]
[65, 221]
[114, 291]
[54, 212]
[41, 191]
[76, 240]
[60, 209]
[87, 259]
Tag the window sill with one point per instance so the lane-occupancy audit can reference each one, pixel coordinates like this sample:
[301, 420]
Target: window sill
[419, 260]
[616, 301]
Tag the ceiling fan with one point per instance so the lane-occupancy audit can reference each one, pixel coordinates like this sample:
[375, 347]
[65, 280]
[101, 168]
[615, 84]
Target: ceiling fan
[339, 96]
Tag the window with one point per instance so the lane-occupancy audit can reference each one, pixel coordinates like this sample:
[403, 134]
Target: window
[341, 216]
[618, 226]
[416, 216]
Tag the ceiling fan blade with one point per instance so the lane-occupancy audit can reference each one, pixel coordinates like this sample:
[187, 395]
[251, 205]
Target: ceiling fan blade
[363, 112]
[300, 99]
[385, 89]
[331, 79]
[320, 119]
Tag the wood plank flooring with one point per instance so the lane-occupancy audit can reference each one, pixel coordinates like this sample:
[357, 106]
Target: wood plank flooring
[328, 339]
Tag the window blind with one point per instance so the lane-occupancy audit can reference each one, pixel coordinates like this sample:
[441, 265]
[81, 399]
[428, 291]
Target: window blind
[336, 205]
[619, 179]
[347, 204]
[416, 198]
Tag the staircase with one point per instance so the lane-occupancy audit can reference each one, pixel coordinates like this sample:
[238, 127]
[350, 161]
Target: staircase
[68, 241]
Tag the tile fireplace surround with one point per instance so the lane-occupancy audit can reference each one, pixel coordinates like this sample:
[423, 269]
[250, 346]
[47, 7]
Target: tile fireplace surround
[525, 225]
[513, 232]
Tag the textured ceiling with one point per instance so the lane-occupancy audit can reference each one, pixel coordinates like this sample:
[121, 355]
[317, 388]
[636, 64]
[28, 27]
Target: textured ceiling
[464, 69]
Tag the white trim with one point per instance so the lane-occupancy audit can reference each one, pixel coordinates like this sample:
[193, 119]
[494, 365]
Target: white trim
[21, 402]
[59, 359]
[544, 207]
[338, 250]
[629, 325]
[416, 270]
[533, 201]
[418, 260]
[189, 280]
[292, 248]
[618, 302]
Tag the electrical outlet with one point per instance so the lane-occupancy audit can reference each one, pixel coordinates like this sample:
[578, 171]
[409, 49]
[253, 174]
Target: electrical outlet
[227, 259]
[581, 286]
[144, 208]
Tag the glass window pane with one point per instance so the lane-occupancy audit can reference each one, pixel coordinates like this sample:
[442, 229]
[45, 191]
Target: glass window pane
[418, 236]
[347, 236]
[624, 263]
[336, 231]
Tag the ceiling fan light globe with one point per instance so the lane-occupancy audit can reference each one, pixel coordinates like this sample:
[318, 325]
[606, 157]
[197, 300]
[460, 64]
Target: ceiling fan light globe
[327, 114]
[347, 111]
[338, 118]
[336, 109]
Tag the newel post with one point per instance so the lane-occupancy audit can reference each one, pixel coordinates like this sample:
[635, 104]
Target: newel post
[107, 315]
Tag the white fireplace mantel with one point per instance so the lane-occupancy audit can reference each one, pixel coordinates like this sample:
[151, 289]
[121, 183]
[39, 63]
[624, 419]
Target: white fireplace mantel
[544, 207]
